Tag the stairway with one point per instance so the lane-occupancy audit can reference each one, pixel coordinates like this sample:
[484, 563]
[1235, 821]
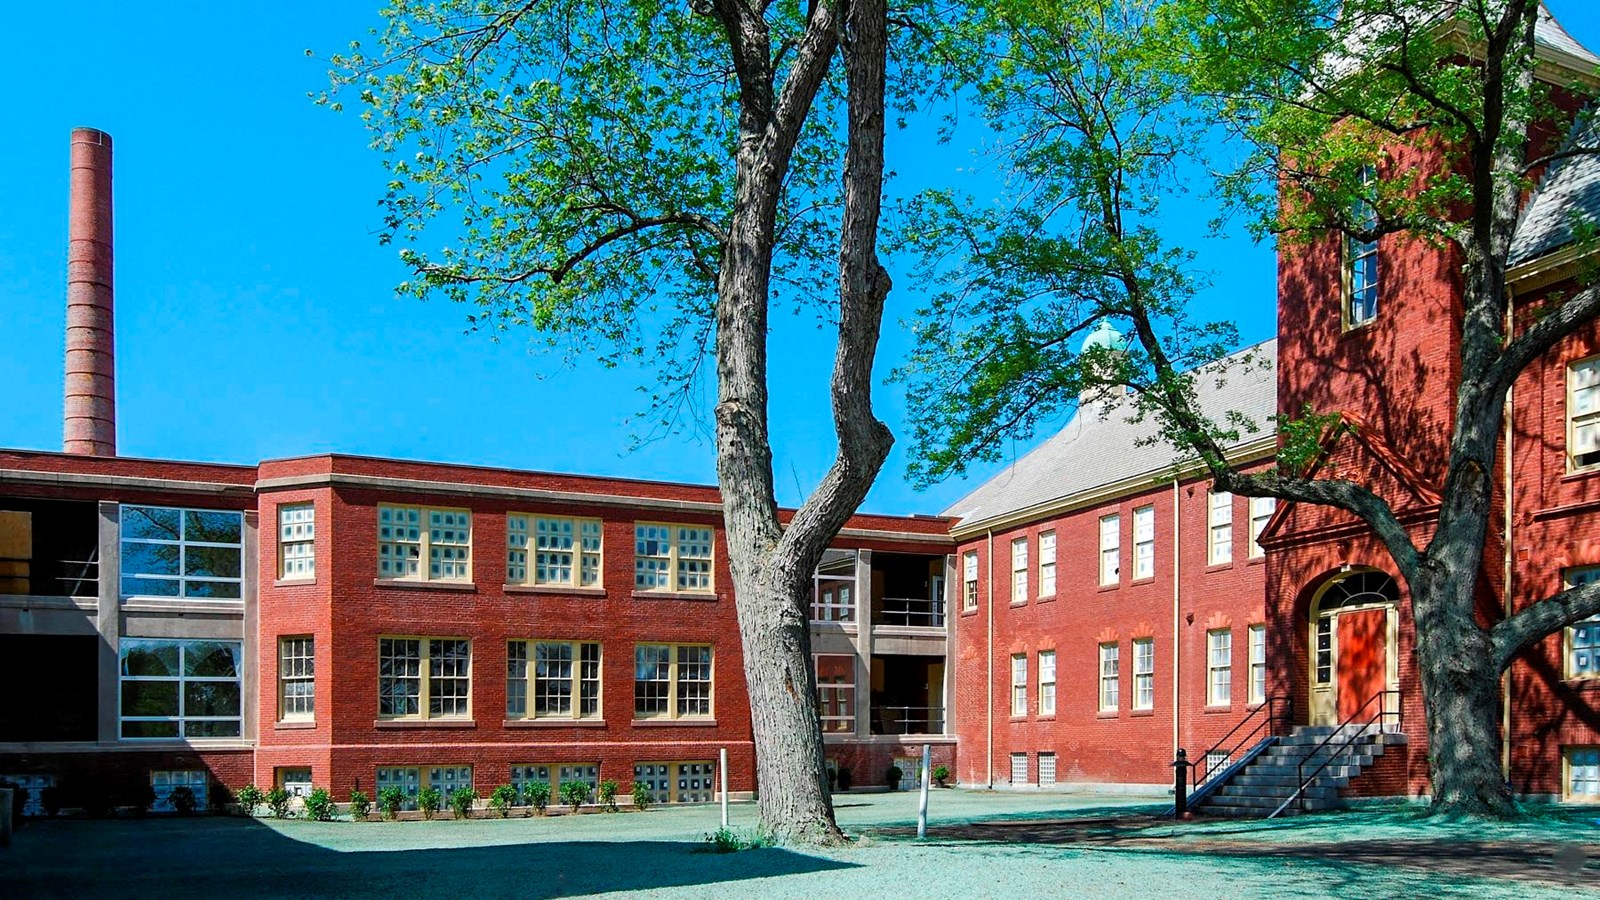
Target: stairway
[1257, 788]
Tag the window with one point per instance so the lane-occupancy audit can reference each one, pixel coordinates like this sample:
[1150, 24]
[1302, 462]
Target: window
[564, 680]
[833, 587]
[181, 552]
[1583, 413]
[409, 780]
[1324, 660]
[1361, 257]
[1047, 564]
[1260, 513]
[1019, 570]
[1144, 673]
[1220, 519]
[1258, 663]
[672, 558]
[1219, 667]
[403, 692]
[1019, 684]
[403, 543]
[969, 580]
[295, 780]
[296, 679]
[678, 782]
[1583, 774]
[163, 783]
[1583, 638]
[836, 693]
[1047, 770]
[1047, 682]
[566, 552]
[1110, 679]
[297, 529]
[181, 689]
[1110, 548]
[1144, 542]
[555, 775]
[671, 681]
[1019, 768]
[1216, 761]
[30, 788]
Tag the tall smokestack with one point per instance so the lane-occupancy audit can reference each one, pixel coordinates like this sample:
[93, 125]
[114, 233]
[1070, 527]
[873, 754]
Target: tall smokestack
[89, 420]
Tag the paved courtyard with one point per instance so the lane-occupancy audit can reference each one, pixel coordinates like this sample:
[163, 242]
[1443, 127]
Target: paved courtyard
[980, 845]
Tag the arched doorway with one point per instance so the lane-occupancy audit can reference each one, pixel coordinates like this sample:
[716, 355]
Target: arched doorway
[1354, 628]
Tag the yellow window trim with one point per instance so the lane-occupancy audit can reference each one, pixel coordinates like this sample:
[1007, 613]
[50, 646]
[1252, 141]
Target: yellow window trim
[424, 694]
[672, 681]
[577, 701]
[672, 553]
[297, 717]
[425, 541]
[578, 552]
[1571, 418]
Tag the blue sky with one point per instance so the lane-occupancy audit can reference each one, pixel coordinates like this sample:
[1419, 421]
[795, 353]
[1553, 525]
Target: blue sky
[255, 312]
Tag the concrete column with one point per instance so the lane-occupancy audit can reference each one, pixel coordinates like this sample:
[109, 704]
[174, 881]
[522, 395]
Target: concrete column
[952, 589]
[250, 684]
[863, 643]
[110, 620]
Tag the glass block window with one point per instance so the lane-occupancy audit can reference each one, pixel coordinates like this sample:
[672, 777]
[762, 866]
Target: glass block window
[164, 781]
[564, 679]
[30, 787]
[672, 557]
[296, 678]
[1110, 677]
[1019, 684]
[1144, 673]
[296, 545]
[1361, 256]
[1144, 542]
[1047, 564]
[566, 551]
[297, 781]
[1047, 770]
[1110, 549]
[408, 780]
[187, 689]
[445, 693]
[1219, 667]
[1583, 638]
[1220, 521]
[554, 774]
[678, 782]
[1019, 768]
[403, 542]
[1047, 682]
[836, 693]
[1258, 663]
[516, 549]
[1019, 570]
[449, 779]
[969, 580]
[1583, 774]
[672, 680]
[1261, 509]
[169, 552]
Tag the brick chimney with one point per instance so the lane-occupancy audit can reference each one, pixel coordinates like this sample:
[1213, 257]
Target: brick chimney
[89, 416]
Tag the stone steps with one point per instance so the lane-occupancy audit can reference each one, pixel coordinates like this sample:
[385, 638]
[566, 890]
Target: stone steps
[1260, 787]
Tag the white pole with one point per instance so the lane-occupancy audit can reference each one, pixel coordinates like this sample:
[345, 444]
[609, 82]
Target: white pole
[922, 805]
[722, 777]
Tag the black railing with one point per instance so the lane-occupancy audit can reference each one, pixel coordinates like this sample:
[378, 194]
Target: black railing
[1380, 718]
[911, 611]
[1263, 722]
[907, 720]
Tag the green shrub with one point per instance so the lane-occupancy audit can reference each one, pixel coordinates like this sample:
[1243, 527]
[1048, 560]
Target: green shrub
[941, 774]
[537, 793]
[278, 802]
[893, 776]
[320, 806]
[726, 840]
[390, 799]
[249, 798]
[183, 800]
[575, 793]
[502, 798]
[142, 797]
[607, 796]
[219, 798]
[642, 798]
[461, 800]
[50, 800]
[360, 806]
[430, 799]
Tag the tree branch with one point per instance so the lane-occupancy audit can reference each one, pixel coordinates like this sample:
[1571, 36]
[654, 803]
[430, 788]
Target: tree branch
[1579, 309]
[560, 270]
[1515, 634]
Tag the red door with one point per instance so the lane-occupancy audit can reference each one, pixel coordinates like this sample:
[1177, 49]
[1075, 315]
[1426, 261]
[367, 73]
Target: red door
[1362, 661]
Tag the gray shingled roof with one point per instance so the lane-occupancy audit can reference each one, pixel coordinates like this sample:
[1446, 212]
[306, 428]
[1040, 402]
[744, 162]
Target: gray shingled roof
[1095, 450]
[1568, 195]
[1548, 31]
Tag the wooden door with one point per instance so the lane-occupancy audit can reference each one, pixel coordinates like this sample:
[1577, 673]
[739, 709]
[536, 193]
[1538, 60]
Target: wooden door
[1363, 660]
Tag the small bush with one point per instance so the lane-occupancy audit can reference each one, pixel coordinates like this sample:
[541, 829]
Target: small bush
[50, 799]
[893, 776]
[575, 793]
[844, 778]
[941, 774]
[726, 840]
[390, 799]
[219, 798]
[249, 798]
[278, 802]
[502, 798]
[320, 806]
[642, 798]
[430, 799]
[461, 800]
[142, 797]
[183, 800]
[537, 794]
[607, 796]
[360, 806]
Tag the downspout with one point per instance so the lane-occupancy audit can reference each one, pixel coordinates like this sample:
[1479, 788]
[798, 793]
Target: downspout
[1509, 570]
[1177, 523]
[988, 603]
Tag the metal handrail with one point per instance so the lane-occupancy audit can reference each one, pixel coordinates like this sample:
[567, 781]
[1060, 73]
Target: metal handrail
[911, 612]
[929, 718]
[1377, 718]
[1269, 706]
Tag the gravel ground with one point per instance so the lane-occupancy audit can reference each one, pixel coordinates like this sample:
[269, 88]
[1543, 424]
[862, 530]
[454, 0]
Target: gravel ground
[1064, 845]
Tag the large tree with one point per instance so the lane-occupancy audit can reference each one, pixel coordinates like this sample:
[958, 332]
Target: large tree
[1104, 110]
[643, 180]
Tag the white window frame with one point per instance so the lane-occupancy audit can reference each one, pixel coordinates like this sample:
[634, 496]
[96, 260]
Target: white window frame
[1261, 510]
[834, 696]
[678, 673]
[1019, 684]
[554, 551]
[673, 549]
[430, 678]
[1219, 528]
[1363, 213]
[1047, 682]
[1580, 782]
[969, 581]
[1144, 673]
[1110, 657]
[1110, 549]
[297, 669]
[222, 588]
[1019, 766]
[1583, 414]
[1047, 769]
[1257, 635]
[535, 664]
[180, 677]
[1219, 667]
[1047, 564]
[1581, 639]
[297, 532]
[440, 535]
[1144, 542]
[1019, 570]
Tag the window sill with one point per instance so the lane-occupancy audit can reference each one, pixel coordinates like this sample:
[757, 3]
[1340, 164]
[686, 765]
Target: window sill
[1142, 713]
[1581, 474]
[1017, 718]
[702, 597]
[294, 725]
[1217, 709]
[1219, 567]
[181, 605]
[553, 723]
[1016, 603]
[1109, 587]
[1107, 714]
[1582, 682]
[1148, 579]
[1256, 561]
[674, 723]
[424, 723]
[418, 584]
[1045, 598]
[293, 582]
[559, 590]
[1046, 717]
[969, 612]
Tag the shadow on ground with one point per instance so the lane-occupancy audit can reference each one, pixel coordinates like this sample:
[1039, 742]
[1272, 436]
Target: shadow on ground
[240, 857]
